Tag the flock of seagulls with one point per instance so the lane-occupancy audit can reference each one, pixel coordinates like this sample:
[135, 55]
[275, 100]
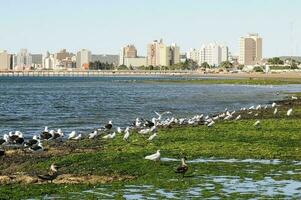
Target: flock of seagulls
[141, 126]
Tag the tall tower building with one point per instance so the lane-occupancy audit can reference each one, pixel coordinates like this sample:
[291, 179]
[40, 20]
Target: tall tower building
[83, 59]
[174, 54]
[158, 54]
[153, 53]
[250, 49]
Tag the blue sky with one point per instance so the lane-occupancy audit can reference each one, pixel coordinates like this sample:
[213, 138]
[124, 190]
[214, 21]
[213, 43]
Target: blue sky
[103, 26]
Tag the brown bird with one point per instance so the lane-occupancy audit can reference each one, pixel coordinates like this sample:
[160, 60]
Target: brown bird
[50, 176]
[183, 168]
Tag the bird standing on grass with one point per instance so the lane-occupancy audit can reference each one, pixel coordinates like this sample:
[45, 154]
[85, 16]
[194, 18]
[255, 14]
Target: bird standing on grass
[51, 175]
[257, 123]
[275, 111]
[183, 168]
[289, 112]
[154, 157]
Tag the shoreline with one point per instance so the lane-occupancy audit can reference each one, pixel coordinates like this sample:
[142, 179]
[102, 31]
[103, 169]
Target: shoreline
[105, 73]
[93, 163]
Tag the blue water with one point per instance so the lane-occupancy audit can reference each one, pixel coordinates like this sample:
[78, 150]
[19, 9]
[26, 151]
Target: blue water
[30, 103]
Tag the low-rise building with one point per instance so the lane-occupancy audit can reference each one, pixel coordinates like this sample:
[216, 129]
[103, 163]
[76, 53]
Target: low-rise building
[135, 62]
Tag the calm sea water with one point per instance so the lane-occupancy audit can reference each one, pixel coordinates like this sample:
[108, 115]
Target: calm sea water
[30, 103]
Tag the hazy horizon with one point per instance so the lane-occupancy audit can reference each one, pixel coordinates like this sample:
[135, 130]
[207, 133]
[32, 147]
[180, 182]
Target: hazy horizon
[103, 27]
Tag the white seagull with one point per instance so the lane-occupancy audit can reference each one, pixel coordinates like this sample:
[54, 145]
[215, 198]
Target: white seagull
[289, 112]
[109, 136]
[78, 137]
[154, 157]
[152, 137]
[275, 111]
[238, 117]
[257, 123]
[93, 135]
[71, 135]
[273, 105]
[126, 134]
[294, 98]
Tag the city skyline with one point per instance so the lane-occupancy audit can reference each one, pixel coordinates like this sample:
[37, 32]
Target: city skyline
[103, 27]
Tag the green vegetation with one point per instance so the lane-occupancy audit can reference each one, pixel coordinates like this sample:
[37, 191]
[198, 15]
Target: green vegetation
[226, 64]
[238, 81]
[275, 61]
[278, 137]
[100, 66]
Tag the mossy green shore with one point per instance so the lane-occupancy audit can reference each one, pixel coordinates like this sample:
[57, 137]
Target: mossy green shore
[278, 137]
[233, 80]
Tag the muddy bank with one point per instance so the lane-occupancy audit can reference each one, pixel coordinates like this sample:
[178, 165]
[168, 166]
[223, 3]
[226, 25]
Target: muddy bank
[62, 179]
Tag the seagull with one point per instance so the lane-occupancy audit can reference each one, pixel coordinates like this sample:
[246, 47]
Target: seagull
[109, 125]
[34, 141]
[273, 105]
[275, 111]
[289, 112]
[93, 135]
[50, 176]
[46, 135]
[137, 122]
[109, 136]
[257, 123]
[78, 137]
[211, 123]
[238, 117]
[294, 98]
[72, 135]
[154, 157]
[152, 137]
[126, 134]
[58, 135]
[183, 168]
[37, 148]
[119, 130]
[149, 124]
[161, 114]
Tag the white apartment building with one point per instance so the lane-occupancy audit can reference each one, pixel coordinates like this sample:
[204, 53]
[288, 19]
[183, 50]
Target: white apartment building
[250, 49]
[23, 60]
[213, 54]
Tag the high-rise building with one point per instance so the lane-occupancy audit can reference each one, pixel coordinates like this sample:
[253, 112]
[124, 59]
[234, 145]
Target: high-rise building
[4, 61]
[23, 60]
[128, 51]
[193, 54]
[174, 54]
[250, 49]
[153, 54]
[83, 59]
[213, 54]
[158, 54]
[61, 55]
